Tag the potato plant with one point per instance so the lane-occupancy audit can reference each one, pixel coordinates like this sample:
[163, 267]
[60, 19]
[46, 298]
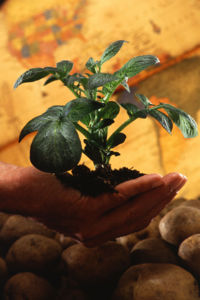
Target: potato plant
[57, 147]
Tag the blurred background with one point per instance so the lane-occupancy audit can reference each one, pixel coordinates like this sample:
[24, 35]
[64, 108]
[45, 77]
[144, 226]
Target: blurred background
[40, 33]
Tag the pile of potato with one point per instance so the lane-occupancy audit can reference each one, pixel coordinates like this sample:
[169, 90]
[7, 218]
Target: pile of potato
[161, 262]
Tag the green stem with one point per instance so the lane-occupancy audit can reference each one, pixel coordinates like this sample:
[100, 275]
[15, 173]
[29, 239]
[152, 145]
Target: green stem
[82, 130]
[120, 128]
[156, 107]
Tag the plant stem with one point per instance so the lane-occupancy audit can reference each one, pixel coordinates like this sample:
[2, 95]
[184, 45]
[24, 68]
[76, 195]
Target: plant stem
[120, 128]
[82, 130]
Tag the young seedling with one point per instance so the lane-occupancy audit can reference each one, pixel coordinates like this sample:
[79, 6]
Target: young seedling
[57, 148]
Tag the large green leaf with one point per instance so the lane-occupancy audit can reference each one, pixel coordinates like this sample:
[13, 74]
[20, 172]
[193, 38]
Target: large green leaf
[136, 65]
[163, 119]
[110, 111]
[111, 50]
[76, 109]
[56, 147]
[185, 122]
[53, 113]
[100, 79]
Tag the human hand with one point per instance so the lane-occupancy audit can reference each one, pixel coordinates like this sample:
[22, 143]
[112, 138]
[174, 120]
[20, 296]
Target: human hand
[88, 219]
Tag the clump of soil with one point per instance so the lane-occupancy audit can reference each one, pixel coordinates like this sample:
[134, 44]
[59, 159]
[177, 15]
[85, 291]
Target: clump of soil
[101, 180]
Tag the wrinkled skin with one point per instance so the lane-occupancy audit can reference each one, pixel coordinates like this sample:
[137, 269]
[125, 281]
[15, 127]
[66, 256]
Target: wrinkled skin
[30, 192]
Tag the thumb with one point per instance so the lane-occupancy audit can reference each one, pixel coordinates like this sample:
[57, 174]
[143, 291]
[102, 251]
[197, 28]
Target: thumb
[139, 185]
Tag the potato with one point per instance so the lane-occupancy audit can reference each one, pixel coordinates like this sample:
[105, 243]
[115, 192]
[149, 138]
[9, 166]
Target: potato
[156, 282]
[180, 223]
[17, 226]
[171, 205]
[193, 203]
[3, 271]
[70, 290]
[153, 250]
[64, 241]
[28, 286]
[96, 266]
[151, 231]
[3, 218]
[189, 251]
[33, 252]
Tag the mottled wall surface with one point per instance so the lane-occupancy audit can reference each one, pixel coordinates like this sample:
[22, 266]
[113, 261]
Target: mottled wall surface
[40, 33]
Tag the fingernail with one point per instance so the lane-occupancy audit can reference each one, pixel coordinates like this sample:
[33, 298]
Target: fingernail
[178, 184]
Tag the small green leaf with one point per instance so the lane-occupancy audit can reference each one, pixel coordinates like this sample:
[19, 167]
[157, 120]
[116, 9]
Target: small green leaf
[144, 100]
[76, 109]
[163, 119]
[183, 121]
[100, 79]
[134, 111]
[56, 148]
[103, 123]
[31, 75]
[76, 77]
[111, 50]
[50, 79]
[52, 113]
[136, 65]
[91, 64]
[64, 67]
[117, 139]
[110, 111]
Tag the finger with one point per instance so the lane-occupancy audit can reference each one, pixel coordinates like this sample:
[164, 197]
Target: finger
[139, 185]
[127, 229]
[125, 190]
[137, 208]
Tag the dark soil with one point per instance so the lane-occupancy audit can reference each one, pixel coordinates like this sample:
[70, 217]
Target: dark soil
[101, 180]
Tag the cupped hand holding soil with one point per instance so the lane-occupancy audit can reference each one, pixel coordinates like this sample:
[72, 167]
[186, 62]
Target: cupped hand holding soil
[92, 220]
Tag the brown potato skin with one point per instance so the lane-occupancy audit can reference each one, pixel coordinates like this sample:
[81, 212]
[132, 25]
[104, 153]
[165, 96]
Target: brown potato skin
[28, 286]
[96, 266]
[153, 250]
[156, 282]
[180, 223]
[189, 251]
[34, 253]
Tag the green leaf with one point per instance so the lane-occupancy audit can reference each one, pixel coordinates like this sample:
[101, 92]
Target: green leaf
[64, 67]
[136, 65]
[111, 50]
[91, 64]
[50, 70]
[103, 123]
[134, 111]
[110, 111]
[183, 121]
[56, 148]
[117, 139]
[31, 75]
[52, 113]
[163, 119]
[76, 77]
[76, 109]
[50, 79]
[100, 79]
[144, 100]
